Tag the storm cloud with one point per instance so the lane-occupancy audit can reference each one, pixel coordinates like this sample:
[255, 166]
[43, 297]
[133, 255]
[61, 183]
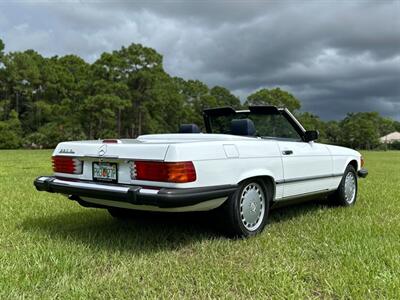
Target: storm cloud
[335, 57]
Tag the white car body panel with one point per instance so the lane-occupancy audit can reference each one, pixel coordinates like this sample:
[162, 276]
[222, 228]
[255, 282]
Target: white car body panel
[203, 206]
[298, 164]
[219, 160]
[224, 159]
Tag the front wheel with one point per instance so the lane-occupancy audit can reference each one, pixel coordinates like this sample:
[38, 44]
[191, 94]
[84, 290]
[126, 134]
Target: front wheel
[245, 212]
[346, 194]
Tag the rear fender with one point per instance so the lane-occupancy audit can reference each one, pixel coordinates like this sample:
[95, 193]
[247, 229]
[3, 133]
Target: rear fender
[255, 173]
[262, 173]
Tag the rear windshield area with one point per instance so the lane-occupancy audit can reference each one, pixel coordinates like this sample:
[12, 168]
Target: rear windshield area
[266, 125]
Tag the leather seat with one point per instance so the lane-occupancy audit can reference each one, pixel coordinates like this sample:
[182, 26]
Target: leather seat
[189, 128]
[243, 127]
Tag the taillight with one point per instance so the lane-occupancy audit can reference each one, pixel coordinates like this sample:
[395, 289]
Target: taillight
[66, 164]
[179, 172]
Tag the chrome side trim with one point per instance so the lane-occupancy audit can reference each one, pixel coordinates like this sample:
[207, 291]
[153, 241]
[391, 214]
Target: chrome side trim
[299, 179]
[305, 195]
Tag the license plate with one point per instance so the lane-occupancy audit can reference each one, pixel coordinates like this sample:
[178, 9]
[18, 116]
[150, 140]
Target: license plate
[105, 171]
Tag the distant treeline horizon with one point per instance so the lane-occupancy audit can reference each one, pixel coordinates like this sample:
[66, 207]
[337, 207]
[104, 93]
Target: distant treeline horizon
[126, 93]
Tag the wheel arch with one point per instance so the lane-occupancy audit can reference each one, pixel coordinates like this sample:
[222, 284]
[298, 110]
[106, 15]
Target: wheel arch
[352, 162]
[269, 182]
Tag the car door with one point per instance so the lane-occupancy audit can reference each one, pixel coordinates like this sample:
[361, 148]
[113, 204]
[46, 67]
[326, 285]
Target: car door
[307, 168]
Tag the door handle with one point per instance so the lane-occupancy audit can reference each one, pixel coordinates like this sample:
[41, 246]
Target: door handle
[287, 152]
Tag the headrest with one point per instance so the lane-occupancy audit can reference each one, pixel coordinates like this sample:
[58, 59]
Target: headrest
[243, 127]
[189, 128]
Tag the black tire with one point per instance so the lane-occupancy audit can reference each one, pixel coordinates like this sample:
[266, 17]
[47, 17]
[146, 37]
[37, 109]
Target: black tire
[340, 197]
[231, 211]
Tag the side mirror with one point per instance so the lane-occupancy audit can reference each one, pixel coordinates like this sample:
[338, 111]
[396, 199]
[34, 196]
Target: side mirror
[311, 135]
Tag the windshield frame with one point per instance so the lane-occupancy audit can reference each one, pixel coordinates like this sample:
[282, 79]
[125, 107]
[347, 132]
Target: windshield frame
[258, 110]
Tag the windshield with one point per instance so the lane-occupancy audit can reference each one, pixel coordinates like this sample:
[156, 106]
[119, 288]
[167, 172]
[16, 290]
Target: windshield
[266, 125]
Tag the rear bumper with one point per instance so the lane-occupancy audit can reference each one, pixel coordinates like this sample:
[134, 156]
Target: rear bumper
[163, 198]
[362, 173]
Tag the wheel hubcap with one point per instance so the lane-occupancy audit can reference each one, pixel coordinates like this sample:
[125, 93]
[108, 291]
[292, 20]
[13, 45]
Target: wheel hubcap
[252, 206]
[350, 188]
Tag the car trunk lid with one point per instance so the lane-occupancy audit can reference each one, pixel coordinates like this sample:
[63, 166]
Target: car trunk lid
[123, 149]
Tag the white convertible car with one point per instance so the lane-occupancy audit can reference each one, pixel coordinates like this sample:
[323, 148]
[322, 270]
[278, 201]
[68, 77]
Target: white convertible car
[247, 162]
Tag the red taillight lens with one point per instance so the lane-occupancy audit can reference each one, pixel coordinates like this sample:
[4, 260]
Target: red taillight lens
[179, 172]
[65, 164]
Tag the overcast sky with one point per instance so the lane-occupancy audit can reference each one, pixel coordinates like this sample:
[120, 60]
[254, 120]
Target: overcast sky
[335, 56]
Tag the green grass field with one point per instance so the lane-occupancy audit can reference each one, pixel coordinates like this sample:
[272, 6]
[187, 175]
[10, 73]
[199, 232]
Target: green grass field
[51, 247]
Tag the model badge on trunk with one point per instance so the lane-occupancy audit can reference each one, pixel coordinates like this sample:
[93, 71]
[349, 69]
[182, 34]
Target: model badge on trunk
[67, 151]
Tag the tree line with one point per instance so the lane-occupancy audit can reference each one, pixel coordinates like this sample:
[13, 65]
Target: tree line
[127, 93]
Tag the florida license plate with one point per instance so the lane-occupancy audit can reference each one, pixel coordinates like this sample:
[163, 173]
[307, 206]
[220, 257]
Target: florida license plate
[105, 171]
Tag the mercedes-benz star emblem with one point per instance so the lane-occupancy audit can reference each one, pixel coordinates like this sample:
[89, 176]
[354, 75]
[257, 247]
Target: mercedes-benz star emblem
[102, 150]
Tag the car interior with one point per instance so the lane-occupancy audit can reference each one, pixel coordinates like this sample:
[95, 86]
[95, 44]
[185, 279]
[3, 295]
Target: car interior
[243, 127]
